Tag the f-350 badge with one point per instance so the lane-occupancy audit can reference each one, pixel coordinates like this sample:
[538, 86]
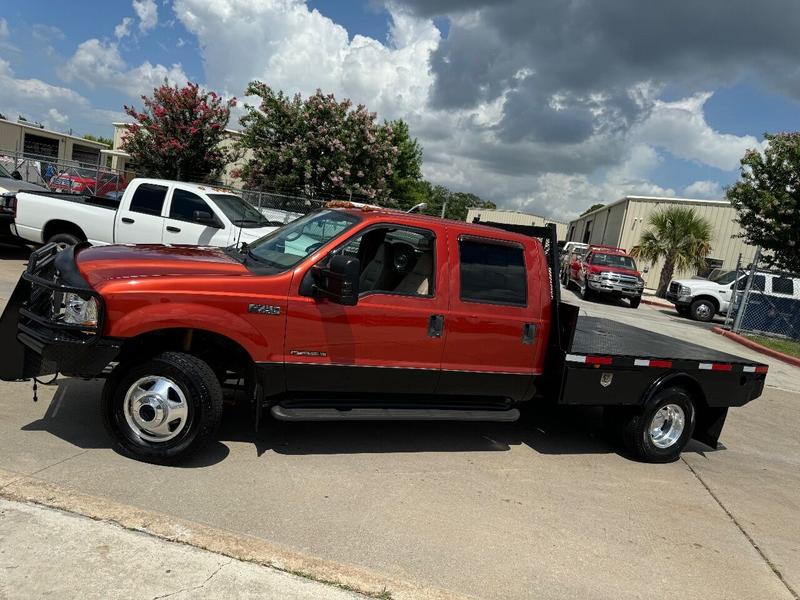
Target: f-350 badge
[264, 309]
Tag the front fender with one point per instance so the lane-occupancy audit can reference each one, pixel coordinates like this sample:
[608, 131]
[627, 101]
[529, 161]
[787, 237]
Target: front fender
[180, 315]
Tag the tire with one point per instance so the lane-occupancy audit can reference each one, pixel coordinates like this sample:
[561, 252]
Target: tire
[635, 301]
[682, 310]
[586, 293]
[194, 398]
[672, 437]
[68, 239]
[702, 310]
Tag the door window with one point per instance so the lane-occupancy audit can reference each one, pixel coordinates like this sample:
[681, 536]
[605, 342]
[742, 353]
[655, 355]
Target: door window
[185, 203]
[782, 285]
[148, 199]
[394, 260]
[492, 273]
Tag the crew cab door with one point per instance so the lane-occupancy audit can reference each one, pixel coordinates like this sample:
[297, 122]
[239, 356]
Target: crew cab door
[139, 218]
[192, 220]
[495, 328]
[391, 342]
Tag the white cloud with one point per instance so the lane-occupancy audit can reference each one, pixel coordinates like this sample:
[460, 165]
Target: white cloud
[705, 189]
[680, 127]
[99, 63]
[4, 31]
[147, 11]
[123, 29]
[57, 117]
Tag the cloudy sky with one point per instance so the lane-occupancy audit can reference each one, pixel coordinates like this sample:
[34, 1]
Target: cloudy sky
[540, 105]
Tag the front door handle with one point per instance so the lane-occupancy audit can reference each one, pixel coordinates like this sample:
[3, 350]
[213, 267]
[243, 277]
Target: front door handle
[127, 220]
[435, 326]
[173, 229]
[528, 333]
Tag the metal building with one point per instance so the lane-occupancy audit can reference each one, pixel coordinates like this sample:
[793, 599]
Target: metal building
[29, 140]
[512, 217]
[622, 223]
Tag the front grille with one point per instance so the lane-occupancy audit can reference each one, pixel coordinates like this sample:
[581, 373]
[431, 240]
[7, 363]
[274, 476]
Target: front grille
[674, 287]
[620, 278]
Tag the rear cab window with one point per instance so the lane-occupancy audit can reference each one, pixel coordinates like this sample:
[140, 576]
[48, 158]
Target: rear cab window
[492, 272]
[783, 285]
[148, 199]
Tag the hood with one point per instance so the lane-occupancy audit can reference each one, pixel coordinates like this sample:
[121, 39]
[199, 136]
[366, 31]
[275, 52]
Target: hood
[7, 184]
[610, 269]
[251, 235]
[697, 283]
[104, 263]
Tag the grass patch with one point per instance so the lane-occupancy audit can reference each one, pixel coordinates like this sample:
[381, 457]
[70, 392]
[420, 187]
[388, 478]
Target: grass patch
[790, 347]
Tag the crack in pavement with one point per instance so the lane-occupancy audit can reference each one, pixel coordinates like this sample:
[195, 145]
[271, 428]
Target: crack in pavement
[749, 538]
[197, 587]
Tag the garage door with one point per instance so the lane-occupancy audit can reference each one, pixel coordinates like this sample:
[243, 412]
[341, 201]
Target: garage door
[37, 146]
[85, 154]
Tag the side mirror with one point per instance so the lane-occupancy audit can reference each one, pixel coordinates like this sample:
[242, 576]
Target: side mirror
[205, 218]
[646, 269]
[338, 282]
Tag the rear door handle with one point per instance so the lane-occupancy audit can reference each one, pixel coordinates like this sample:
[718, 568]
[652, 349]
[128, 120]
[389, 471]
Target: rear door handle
[127, 220]
[528, 333]
[173, 229]
[435, 326]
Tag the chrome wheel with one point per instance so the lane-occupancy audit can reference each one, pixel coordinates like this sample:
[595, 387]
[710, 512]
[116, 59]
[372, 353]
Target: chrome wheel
[155, 408]
[667, 426]
[703, 311]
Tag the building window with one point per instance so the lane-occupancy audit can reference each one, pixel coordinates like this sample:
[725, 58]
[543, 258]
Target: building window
[711, 264]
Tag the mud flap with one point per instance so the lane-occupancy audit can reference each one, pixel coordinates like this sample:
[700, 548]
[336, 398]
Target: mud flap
[18, 362]
[710, 421]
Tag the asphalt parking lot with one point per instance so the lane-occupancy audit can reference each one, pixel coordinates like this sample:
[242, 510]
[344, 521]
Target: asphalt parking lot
[541, 509]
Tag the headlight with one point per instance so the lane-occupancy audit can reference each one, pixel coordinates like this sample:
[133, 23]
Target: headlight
[640, 283]
[79, 311]
[595, 276]
[75, 184]
[685, 291]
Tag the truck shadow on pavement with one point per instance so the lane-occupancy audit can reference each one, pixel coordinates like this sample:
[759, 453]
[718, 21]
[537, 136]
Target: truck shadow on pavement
[74, 416]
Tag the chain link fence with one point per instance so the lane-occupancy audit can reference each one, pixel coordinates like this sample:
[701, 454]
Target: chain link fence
[71, 177]
[765, 302]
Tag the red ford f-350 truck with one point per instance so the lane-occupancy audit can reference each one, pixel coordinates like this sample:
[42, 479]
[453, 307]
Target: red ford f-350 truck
[353, 314]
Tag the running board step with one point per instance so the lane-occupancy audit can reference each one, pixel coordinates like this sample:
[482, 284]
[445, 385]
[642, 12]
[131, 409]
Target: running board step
[391, 414]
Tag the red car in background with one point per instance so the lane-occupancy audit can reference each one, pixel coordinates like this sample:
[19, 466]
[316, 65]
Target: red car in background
[88, 181]
[608, 271]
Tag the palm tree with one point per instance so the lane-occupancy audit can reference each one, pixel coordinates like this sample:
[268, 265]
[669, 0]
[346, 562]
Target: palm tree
[680, 237]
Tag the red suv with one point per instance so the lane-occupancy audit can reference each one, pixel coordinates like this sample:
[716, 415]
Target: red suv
[609, 271]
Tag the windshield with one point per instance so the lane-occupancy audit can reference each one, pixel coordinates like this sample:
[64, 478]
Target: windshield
[240, 213]
[614, 260]
[725, 278]
[290, 244]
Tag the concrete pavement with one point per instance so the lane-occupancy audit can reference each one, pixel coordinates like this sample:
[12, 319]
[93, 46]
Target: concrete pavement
[546, 509]
[47, 552]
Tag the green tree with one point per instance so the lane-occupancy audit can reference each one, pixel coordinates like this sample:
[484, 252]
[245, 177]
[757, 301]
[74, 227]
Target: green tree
[99, 138]
[180, 134]
[767, 200]
[591, 208]
[458, 203]
[406, 186]
[679, 237]
[318, 145]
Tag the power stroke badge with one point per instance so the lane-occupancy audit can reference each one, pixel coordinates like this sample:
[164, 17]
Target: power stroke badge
[264, 309]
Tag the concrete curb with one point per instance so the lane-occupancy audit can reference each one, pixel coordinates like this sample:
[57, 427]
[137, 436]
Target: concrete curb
[740, 339]
[23, 488]
[657, 303]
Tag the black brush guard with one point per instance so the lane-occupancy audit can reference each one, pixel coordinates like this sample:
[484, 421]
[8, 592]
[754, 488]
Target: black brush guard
[34, 337]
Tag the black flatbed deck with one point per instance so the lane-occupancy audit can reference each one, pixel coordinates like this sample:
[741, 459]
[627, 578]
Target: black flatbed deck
[597, 336]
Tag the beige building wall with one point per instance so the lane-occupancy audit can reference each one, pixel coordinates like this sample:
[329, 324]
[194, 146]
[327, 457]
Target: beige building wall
[12, 140]
[622, 223]
[513, 217]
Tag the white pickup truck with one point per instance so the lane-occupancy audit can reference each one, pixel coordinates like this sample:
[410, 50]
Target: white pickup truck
[150, 211]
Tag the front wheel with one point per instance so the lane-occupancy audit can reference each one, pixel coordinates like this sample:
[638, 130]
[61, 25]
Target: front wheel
[635, 301]
[658, 432]
[682, 310]
[586, 293]
[702, 310]
[163, 409]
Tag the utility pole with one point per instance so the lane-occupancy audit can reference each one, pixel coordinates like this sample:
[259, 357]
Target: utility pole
[444, 208]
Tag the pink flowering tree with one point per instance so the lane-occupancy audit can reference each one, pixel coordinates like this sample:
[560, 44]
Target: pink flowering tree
[178, 134]
[318, 146]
